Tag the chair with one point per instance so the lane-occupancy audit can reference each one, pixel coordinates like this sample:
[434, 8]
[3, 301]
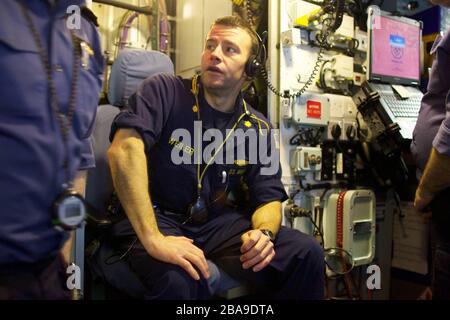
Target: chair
[128, 71]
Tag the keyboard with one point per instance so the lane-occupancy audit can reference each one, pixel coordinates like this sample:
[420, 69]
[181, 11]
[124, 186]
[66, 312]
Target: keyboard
[402, 108]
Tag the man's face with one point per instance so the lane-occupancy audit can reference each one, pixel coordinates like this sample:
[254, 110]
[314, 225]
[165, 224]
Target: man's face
[444, 3]
[226, 51]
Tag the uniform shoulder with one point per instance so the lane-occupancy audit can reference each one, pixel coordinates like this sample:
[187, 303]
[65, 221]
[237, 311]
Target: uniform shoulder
[164, 85]
[89, 22]
[167, 80]
[163, 79]
[88, 32]
[89, 15]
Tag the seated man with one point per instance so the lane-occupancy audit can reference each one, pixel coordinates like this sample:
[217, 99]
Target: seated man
[180, 209]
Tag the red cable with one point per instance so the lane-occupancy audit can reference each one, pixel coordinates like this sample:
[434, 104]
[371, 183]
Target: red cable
[340, 219]
[340, 236]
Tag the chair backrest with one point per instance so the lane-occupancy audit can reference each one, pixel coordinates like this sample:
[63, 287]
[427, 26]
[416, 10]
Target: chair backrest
[128, 71]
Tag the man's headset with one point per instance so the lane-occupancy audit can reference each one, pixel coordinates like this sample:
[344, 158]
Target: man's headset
[255, 62]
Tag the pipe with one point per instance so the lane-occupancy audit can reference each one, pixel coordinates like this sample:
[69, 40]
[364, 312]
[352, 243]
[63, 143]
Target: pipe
[119, 4]
[124, 36]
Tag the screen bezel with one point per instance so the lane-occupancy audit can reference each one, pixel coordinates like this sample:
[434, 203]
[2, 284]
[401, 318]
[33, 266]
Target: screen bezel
[371, 76]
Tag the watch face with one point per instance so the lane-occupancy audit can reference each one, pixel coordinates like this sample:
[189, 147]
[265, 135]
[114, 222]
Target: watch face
[71, 211]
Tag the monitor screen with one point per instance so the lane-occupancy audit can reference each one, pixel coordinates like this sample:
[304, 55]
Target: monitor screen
[395, 50]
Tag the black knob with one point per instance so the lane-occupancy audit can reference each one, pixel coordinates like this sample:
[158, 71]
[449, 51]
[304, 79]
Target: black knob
[336, 131]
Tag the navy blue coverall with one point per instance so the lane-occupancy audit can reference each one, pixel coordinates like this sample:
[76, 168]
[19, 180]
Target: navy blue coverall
[32, 149]
[433, 130]
[162, 104]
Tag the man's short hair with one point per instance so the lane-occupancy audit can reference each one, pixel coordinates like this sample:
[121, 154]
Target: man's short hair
[238, 22]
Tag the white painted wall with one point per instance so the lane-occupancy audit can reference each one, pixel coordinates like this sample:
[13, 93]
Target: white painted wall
[194, 17]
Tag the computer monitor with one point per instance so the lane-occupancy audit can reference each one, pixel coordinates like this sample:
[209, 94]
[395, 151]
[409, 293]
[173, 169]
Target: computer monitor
[394, 48]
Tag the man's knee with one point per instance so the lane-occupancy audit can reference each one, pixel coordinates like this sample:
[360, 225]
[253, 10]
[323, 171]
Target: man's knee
[176, 283]
[307, 247]
[303, 256]
[314, 251]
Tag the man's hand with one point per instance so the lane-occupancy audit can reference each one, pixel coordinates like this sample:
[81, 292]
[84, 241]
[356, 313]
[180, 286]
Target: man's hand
[180, 251]
[422, 200]
[435, 178]
[257, 250]
[421, 203]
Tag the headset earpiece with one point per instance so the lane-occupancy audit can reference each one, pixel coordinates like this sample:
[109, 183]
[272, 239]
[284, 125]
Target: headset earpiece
[255, 62]
[252, 66]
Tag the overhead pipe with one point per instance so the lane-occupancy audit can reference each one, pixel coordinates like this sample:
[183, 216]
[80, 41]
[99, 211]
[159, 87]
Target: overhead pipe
[119, 4]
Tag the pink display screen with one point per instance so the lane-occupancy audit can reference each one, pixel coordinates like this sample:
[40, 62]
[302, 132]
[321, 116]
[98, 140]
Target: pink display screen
[395, 49]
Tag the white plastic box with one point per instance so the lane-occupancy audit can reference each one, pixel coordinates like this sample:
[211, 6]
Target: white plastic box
[358, 224]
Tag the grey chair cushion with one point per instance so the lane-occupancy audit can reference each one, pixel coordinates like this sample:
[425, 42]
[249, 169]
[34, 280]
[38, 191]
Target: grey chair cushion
[99, 187]
[130, 68]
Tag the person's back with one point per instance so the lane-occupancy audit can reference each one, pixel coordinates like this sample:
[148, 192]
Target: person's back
[432, 111]
[431, 148]
[40, 102]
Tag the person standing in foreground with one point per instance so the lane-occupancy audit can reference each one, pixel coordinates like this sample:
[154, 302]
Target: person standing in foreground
[50, 80]
[431, 148]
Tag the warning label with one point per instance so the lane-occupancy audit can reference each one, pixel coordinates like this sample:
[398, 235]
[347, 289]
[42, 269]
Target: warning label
[313, 109]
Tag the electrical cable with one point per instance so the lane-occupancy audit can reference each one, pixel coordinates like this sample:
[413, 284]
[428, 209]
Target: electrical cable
[339, 9]
[295, 212]
[307, 137]
[109, 261]
[248, 7]
[264, 73]
[321, 38]
[322, 84]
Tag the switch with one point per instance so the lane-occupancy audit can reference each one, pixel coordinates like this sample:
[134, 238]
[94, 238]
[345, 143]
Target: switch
[336, 131]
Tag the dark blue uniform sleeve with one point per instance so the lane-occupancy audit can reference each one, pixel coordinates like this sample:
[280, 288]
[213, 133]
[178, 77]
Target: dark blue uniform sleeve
[442, 139]
[87, 155]
[90, 34]
[148, 109]
[433, 123]
[264, 178]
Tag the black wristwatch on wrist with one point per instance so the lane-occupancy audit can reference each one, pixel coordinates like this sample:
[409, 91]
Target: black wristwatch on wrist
[268, 233]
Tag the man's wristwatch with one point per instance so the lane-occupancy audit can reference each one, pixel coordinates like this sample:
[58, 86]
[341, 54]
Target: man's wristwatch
[268, 233]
